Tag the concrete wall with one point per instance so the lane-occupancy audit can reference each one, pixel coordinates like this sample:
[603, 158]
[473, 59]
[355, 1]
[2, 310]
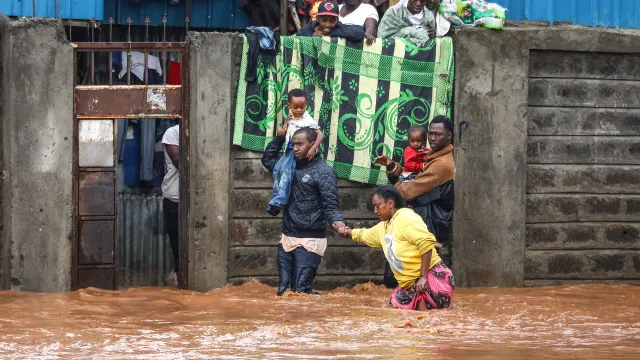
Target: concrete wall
[213, 78]
[5, 272]
[37, 119]
[547, 172]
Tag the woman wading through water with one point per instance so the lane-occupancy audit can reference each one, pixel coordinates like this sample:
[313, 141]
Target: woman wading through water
[425, 282]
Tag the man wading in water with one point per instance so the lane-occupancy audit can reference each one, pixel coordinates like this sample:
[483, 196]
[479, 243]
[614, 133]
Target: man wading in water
[313, 202]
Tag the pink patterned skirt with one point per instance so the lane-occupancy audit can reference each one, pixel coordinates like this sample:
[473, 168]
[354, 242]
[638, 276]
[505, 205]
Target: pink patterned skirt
[440, 286]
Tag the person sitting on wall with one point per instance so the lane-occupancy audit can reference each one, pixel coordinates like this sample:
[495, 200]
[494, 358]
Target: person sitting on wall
[430, 194]
[327, 24]
[425, 282]
[354, 12]
[313, 202]
[415, 20]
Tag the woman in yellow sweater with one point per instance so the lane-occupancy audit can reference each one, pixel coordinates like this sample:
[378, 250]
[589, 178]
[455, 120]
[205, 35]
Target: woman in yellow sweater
[425, 282]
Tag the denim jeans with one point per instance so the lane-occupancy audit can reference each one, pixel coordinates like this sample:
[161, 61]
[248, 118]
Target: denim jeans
[283, 174]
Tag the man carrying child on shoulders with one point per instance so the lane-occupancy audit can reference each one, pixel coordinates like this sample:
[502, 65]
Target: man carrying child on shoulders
[311, 204]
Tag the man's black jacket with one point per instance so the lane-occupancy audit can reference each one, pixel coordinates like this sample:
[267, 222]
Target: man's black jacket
[314, 195]
[353, 33]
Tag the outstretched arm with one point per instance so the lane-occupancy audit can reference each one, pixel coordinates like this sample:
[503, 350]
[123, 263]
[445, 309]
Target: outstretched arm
[371, 237]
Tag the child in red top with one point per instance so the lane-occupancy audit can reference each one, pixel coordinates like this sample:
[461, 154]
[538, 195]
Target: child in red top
[415, 153]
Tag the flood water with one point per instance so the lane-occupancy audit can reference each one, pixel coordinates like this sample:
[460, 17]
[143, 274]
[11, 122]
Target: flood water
[250, 322]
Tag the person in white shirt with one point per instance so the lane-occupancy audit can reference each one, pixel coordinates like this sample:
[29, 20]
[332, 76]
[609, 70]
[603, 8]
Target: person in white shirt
[171, 194]
[353, 12]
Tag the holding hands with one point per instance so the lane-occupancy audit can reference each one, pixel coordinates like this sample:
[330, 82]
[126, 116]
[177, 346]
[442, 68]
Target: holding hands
[342, 229]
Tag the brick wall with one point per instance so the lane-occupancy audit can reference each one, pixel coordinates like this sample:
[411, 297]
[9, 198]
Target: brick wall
[583, 174]
[255, 234]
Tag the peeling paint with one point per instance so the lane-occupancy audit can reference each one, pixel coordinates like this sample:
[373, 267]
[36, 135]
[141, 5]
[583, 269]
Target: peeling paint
[157, 99]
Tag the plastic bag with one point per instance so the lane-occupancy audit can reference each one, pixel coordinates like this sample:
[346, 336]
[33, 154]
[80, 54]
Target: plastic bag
[283, 174]
[473, 13]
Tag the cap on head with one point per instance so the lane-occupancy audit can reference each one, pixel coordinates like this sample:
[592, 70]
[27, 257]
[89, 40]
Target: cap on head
[328, 8]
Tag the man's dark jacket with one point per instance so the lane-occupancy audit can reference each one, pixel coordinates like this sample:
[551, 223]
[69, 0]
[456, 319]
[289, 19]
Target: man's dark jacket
[353, 33]
[314, 195]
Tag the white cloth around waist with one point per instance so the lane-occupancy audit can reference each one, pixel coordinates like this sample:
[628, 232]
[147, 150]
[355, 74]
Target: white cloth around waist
[313, 245]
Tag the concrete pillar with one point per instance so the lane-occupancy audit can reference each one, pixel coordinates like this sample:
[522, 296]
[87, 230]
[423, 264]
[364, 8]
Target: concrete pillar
[37, 136]
[213, 82]
[5, 274]
[491, 92]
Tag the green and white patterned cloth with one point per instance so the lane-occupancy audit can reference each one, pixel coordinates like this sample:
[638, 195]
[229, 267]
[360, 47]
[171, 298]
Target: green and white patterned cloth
[365, 98]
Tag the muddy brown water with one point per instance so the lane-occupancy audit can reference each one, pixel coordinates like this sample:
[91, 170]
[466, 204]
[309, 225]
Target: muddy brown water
[250, 322]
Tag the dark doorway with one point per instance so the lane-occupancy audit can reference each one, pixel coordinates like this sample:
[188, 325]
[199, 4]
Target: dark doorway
[98, 110]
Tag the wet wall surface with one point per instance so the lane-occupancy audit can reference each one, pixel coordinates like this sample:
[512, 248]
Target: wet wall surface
[250, 322]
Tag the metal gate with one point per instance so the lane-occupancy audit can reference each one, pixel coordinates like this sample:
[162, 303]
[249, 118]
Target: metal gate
[96, 108]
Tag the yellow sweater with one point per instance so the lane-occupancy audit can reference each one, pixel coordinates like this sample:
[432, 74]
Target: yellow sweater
[404, 239]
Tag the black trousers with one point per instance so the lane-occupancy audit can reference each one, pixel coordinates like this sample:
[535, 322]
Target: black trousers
[297, 269]
[171, 221]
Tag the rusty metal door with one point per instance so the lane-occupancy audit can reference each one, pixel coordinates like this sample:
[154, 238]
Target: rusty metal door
[96, 108]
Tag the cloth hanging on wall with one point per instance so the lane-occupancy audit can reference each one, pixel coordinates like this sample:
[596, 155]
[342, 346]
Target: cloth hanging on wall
[364, 98]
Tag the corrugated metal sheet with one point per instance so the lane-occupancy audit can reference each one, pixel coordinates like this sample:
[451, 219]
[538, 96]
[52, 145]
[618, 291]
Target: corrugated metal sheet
[144, 251]
[222, 14]
[607, 13]
[65, 9]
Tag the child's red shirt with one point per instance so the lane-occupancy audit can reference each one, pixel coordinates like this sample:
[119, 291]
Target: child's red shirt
[414, 160]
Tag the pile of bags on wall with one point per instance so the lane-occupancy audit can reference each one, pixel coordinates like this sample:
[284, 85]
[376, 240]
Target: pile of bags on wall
[473, 13]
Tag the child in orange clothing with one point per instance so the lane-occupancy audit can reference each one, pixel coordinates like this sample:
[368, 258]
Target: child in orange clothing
[415, 153]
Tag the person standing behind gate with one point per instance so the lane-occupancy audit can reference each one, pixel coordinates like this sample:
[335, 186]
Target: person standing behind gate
[171, 195]
[312, 204]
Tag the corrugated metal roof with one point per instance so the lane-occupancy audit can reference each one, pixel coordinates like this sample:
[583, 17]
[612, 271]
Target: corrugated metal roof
[225, 13]
[607, 13]
[65, 9]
